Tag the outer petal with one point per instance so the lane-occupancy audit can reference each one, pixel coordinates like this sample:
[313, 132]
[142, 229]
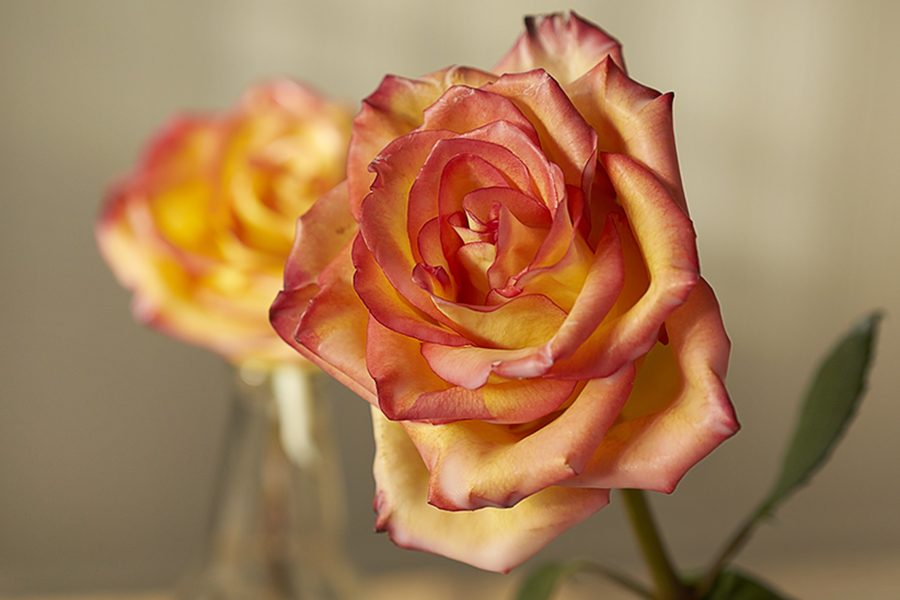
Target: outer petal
[321, 233]
[333, 327]
[285, 314]
[491, 539]
[631, 119]
[566, 46]
[475, 464]
[664, 430]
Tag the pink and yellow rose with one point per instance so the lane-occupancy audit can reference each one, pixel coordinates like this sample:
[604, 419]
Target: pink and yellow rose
[510, 277]
[200, 229]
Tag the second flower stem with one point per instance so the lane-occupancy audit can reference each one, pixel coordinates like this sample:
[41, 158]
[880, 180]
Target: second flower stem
[669, 586]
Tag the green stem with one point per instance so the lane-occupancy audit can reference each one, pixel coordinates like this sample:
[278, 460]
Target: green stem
[736, 542]
[668, 585]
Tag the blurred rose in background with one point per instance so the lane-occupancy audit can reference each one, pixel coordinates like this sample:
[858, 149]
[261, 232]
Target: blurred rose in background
[200, 229]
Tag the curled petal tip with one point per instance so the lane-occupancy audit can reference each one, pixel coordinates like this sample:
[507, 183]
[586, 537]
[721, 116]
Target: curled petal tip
[565, 45]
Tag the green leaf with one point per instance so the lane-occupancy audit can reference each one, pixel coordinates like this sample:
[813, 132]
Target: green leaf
[830, 403]
[831, 400]
[541, 582]
[734, 585]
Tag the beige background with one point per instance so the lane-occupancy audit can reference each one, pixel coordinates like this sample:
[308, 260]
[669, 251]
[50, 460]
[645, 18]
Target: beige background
[789, 136]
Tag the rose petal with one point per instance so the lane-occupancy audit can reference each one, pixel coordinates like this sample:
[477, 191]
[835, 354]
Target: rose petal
[517, 245]
[523, 207]
[565, 137]
[601, 288]
[462, 109]
[667, 241]
[434, 280]
[526, 320]
[475, 464]
[391, 309]
[667, 428]
[321, 234]
[402, 375]
[393, 110]
[631, 119]
[440, 190]
[430, 244]
[383, 215]
[408, 389]
[261, 227]
[473, 259]
[284, 95]
[333, 327]
[470, 367]
[561, 263]
[285, 313]
[168, 199]
[491, 539]
[509, 151]
[566, 46]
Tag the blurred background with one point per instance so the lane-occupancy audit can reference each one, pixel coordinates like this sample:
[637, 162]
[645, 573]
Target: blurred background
[788, 130]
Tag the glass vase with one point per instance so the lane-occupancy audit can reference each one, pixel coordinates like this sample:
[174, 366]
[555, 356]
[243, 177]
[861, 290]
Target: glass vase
[277, 524]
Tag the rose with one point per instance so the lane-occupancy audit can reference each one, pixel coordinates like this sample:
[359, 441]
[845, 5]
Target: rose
[518, 293]
[200, 229]
[515, 288]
